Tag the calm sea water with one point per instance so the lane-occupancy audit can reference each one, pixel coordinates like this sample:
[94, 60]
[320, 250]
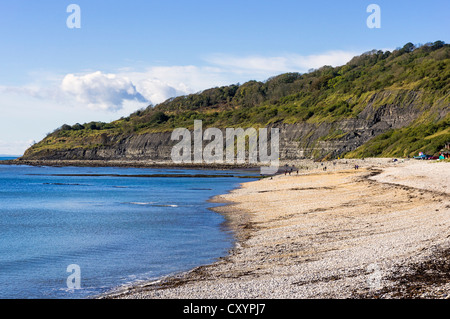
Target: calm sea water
[117, 229]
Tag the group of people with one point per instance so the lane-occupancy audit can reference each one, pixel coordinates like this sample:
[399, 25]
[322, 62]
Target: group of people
[289, 170]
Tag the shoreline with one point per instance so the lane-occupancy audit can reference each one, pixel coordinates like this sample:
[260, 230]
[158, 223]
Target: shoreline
[301, 164]
[128, 164]
[230, 224]
[310, 250]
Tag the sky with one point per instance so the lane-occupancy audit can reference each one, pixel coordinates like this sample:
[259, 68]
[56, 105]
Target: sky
[101, 59]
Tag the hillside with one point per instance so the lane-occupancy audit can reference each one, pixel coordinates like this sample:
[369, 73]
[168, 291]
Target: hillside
[378, 104]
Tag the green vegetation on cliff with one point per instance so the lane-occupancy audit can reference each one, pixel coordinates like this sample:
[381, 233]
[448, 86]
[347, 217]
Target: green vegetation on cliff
[429, 137]
[409, 75]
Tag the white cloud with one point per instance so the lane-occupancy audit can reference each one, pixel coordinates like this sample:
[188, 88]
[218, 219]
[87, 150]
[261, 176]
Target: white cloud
[31, 90]
[100, 91]
[157, 84]
[279, 64]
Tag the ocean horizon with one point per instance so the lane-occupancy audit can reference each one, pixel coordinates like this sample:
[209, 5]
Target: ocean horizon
[8, 157]
[116, 227]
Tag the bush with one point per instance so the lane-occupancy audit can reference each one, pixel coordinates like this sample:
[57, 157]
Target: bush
[159, 117]
[77, 127]
[65, 127]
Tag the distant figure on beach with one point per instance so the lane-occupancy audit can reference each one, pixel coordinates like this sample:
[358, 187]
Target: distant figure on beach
[325, 168]
[356, 166]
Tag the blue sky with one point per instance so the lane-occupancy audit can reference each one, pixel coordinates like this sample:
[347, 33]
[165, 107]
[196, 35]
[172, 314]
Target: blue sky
[128, 54]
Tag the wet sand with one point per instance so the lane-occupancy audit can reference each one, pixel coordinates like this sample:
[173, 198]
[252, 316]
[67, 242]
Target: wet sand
[382, 231]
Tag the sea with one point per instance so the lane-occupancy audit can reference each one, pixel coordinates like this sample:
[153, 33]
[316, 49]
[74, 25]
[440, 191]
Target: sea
[78, 232]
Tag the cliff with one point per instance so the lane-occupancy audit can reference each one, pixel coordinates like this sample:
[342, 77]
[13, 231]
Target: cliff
[379, 104]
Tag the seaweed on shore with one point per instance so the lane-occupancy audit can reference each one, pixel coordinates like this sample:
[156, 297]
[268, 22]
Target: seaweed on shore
[423, 280]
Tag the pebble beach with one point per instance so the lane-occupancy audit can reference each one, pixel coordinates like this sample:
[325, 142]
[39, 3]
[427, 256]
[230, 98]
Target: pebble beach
[379, 231]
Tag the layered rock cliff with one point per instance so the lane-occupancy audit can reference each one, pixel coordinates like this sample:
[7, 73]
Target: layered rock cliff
[299, 140]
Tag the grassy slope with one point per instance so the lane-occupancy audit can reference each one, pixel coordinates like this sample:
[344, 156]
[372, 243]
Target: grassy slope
[428, 137]
[328, 94]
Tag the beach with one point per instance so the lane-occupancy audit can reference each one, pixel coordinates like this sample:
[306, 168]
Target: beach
[379, 231]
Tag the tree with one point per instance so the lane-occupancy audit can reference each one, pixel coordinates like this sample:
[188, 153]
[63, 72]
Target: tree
[78, 127]
[66, 127]
[159, 117]
[408, 47]
[437, 45]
